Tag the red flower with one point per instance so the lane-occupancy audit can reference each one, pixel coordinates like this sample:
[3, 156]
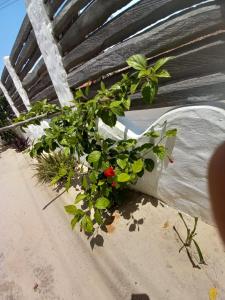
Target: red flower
[109, 172]
[114, 184]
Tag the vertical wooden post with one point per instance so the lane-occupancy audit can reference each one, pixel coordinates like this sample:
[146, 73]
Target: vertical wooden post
[9, 99]
[17, 82]
[43, 30]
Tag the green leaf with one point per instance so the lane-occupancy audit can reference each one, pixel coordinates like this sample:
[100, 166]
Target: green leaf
[201, 258]
[98, 217]
[160, 151]
[144, 73]
[127, 144]
[77, 217]
[69, 180]
[56, 179]
[115, 104]
[67, 151]
[119, 111]
[93, 176]
[145, 146]
[80, 197]
[163, 74]
[103, 86]
[161, 62]
[126, 103]
[138, 166]
[115, 87]
[101, 182]
[102, 203]
[79, 94]
[108, 117]
[87, 224]
[137, 62]
[84, 182]
[149, 92]
[122, 163]
[134, 87]
[74, 222]
[94, 157]
[62, 171]
[171, 132]
[149, 164]
[153, 134]
[87, 90]
[70, 209]
[93, 188]
[123, 177]
[64, 142]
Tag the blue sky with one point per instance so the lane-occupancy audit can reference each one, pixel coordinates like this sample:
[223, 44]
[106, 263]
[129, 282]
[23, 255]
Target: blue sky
[11, 18]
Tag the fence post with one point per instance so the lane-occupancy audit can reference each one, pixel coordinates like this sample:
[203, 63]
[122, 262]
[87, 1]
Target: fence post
[43, 30]
[17, 82]
[9, 99]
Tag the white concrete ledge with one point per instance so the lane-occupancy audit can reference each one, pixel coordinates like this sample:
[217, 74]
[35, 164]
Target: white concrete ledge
[183, 184]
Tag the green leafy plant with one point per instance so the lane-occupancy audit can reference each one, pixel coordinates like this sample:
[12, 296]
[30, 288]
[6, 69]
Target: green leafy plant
[10, 137]
[189, 240]
[38, 109]
[112, 165]
[56, 168]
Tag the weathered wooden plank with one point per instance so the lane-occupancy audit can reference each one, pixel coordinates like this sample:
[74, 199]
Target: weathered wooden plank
[4, 76]
[43, 82]
[48, 93]
[41, 77]
[52, 6]
[198, 90]
[12, 90]
[172, 34]
[29, 48]
[22, 109]
[195, 61]
[67, 16]
[136, 18]
[9, 83]
[203, 61]
[136, 11]
[18, 102]
[15, 95]
[19, 105]
[21, 39]
[32, 77]
[203, 57]
[29, 65]
[52, 101]
[95, 15]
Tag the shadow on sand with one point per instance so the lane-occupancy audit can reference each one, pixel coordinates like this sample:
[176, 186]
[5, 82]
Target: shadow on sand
[133, 201]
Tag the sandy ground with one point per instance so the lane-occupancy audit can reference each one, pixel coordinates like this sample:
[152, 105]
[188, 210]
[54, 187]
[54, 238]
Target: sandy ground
[41, 258]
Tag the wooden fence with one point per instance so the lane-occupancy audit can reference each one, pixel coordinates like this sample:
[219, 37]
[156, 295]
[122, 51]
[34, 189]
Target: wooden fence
[96, 37]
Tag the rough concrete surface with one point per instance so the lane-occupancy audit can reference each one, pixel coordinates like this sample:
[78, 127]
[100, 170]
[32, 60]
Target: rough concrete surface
[41, 258]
